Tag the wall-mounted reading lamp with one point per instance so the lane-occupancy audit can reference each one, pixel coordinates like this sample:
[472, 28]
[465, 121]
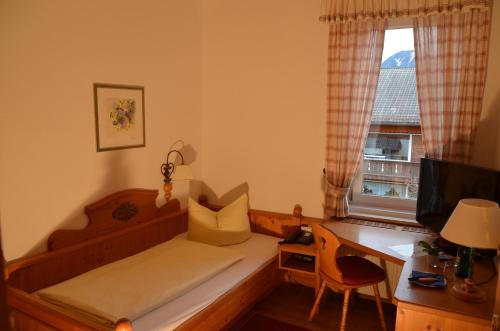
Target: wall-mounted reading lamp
[172, 171]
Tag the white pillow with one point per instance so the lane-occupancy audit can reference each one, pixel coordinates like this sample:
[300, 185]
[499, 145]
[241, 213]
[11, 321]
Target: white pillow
[228, 226]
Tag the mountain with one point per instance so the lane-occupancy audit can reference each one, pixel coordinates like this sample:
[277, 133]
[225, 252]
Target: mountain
[402, 59]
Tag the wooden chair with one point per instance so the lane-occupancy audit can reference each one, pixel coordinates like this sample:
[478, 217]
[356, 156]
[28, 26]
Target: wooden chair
[344, 273]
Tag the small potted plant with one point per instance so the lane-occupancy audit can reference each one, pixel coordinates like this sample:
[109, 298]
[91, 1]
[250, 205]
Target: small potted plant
[432, 251]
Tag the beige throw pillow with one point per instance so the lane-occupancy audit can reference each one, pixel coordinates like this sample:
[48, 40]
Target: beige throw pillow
[228, 226]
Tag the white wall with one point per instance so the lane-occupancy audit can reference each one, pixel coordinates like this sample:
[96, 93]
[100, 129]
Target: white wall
[264, 92]
[51, 51]
[264, 97]
[487, 145]
[256, 68]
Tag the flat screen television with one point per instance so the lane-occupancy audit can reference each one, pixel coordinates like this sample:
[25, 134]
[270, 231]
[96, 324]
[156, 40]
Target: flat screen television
[442, 184]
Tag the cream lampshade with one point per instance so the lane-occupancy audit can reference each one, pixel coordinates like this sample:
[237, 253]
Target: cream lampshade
[182, 172]
[474, 223]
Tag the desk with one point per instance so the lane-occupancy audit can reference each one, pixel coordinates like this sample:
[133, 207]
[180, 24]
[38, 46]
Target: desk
[422, 308]
[419, 308]
[384, 243]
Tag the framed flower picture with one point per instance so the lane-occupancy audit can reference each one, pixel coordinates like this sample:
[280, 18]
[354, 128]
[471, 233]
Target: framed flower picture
[119, 116]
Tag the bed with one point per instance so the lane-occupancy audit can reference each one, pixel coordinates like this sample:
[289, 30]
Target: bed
[124, 224]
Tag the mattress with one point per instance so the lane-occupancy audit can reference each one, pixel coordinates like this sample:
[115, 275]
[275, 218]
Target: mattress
[159, 274]
[258, 251]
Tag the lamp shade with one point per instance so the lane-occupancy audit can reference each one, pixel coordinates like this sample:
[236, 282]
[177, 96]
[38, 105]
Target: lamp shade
[182, 172]
[474, 223]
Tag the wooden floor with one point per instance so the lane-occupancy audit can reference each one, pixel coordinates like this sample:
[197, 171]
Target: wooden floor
[292, 303]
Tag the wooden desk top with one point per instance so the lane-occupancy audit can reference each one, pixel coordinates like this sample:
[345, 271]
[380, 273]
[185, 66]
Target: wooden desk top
[441, 298]
[397, 246]
[392, 245]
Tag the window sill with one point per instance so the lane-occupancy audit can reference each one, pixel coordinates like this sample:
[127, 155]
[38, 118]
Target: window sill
[385, 215]
[388, 224]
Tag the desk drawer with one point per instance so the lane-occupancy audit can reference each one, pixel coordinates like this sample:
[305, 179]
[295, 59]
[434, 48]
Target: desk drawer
[411, 317]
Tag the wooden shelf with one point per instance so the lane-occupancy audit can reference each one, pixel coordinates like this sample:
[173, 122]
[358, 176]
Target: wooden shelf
[295, 264]
[299, 249]
[303, 272]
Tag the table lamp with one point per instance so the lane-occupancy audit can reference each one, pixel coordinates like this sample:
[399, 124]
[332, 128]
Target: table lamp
[474, 223]
[171, 171]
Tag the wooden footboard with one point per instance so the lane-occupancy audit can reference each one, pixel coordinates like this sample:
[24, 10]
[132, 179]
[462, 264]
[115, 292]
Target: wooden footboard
[122, 225]
[33, 314]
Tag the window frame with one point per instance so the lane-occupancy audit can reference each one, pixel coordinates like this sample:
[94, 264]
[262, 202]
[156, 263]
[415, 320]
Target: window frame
[378, 208]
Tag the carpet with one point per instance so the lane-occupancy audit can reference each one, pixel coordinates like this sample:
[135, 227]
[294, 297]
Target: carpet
[263, 323]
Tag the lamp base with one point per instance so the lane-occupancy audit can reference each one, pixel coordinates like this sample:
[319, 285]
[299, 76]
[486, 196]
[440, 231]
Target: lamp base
[167, 187]
[468, 291]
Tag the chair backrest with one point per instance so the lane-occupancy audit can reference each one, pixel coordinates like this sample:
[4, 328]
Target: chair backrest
[327, 244]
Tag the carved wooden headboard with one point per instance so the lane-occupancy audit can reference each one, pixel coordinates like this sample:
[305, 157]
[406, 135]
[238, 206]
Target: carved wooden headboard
[120, 225]
[114, 212]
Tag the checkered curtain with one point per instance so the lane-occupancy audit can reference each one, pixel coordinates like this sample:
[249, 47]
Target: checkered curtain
[336, 11]
[451, 57]
[355, 54]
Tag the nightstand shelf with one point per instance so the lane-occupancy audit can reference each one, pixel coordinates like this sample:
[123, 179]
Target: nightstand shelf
[291, 263]
[299, 270]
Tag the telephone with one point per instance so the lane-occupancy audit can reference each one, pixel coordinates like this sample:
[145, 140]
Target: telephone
[298, 236]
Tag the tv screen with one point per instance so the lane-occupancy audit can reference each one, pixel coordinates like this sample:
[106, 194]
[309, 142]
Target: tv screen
[442, 184]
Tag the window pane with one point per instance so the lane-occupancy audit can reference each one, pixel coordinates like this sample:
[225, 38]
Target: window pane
[393, 148]
[391, 177]
[380, 146]
[384, 189]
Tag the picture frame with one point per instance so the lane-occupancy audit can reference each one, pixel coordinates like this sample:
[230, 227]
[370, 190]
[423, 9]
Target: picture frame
[119, 116]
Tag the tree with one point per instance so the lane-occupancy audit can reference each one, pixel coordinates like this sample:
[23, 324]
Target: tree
[392, 192]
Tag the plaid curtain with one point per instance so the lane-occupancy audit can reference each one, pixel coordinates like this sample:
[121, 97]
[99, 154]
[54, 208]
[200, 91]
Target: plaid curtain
[451, 58]
[355, 54]
[337, 11]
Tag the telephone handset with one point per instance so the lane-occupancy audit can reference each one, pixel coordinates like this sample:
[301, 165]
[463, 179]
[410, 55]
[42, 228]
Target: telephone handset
[298, 236]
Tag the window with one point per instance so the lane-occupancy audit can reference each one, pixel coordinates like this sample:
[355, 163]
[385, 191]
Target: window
[387, 146]
[387, 182]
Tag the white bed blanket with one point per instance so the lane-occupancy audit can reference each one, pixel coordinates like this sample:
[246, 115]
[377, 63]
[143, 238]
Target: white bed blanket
[136, 285]
[259, 250]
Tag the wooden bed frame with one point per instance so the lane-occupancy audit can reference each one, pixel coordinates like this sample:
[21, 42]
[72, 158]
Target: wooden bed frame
[120, 225]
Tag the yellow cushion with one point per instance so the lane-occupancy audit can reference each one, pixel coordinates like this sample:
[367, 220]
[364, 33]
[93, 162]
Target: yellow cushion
[228, 226]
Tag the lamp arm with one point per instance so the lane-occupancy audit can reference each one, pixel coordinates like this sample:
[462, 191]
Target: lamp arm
[176, 151]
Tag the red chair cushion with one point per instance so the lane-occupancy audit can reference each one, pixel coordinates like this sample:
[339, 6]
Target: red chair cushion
[357, 270]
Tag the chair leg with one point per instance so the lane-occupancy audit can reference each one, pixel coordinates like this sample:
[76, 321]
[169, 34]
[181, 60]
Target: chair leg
[345, 307]
[317, 300]
[353, 298]
[379, 307]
